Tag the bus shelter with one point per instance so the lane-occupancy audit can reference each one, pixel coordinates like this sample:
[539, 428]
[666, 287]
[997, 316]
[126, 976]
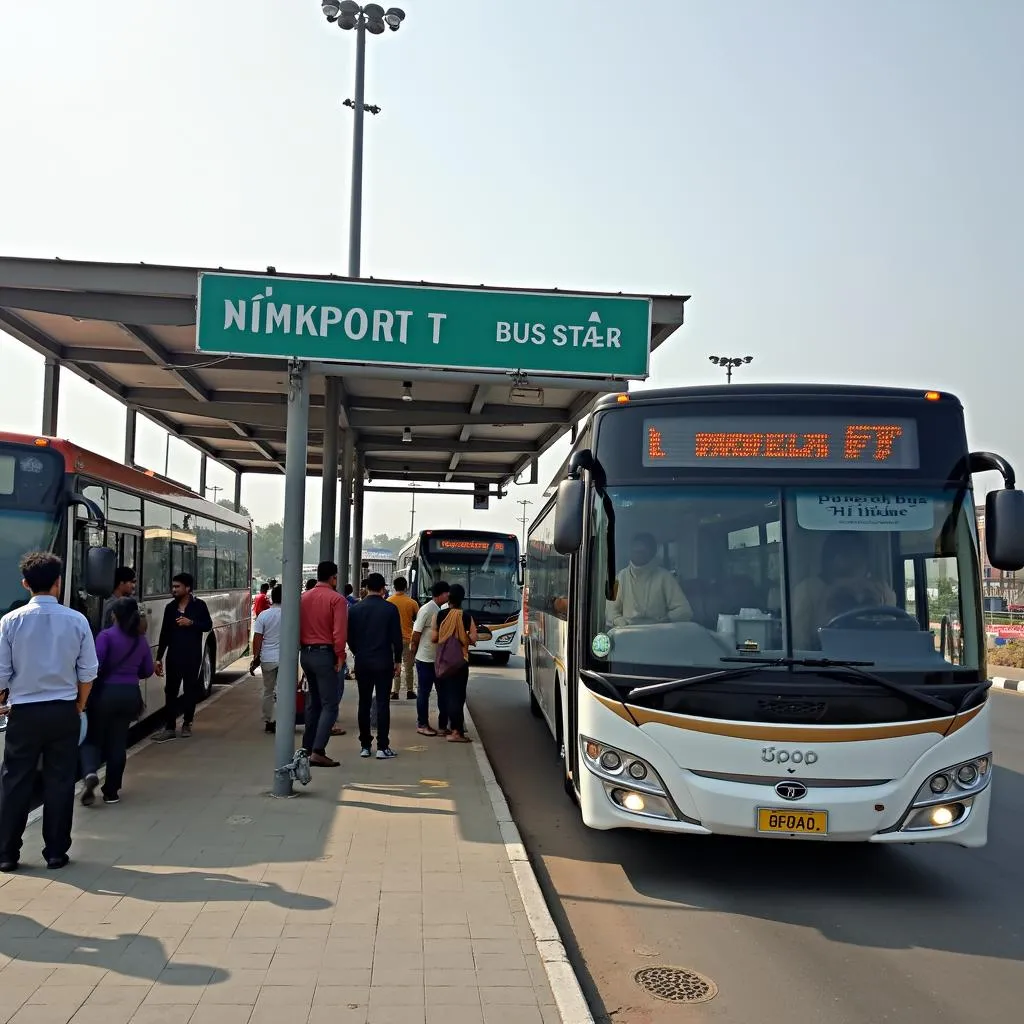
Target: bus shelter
[374, 384]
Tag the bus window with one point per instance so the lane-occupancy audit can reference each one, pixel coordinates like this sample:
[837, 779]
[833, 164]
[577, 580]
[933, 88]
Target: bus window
[124, 508]
[156, 551]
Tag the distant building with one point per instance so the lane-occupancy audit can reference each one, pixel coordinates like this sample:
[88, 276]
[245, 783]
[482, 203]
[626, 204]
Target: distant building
[1004, 583]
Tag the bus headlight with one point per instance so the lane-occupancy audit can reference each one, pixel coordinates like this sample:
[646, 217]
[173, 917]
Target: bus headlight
[611, 764]
[505, 639]
[948, 785]
[646, 805]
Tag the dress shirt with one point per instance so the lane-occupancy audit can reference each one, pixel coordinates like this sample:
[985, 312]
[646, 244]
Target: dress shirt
[184, 644]
[323, 619]
[268, 626]
[46, 650]
[375, 634]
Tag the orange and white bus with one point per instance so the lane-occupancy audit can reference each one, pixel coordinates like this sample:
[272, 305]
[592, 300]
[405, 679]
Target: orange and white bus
[56, 496]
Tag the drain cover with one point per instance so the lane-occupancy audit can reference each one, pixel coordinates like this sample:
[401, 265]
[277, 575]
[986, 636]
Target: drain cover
[676, 985]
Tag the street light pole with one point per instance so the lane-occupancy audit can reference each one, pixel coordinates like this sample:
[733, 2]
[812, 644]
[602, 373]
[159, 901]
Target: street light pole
[355, 217]
[524, 503]
[730, 363]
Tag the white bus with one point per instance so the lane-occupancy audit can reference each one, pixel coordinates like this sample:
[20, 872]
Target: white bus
[487, 565]
[55, 496]
[755, 610]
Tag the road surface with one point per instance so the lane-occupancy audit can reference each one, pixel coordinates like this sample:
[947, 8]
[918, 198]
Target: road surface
[791, 933]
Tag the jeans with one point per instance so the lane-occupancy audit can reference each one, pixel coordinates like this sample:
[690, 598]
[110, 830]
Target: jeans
[110, 718]
[453, 692]
[374, 683]
[322, 697]
[181, 675]
[49, 730]
[269, 673]
[426, 680]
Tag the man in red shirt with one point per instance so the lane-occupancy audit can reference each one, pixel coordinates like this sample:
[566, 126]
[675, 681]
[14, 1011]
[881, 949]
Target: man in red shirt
[262, 601]
[323, 632]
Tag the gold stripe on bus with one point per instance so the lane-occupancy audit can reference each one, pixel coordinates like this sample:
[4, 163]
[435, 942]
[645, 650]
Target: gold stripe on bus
[560, 665]
[810, 733]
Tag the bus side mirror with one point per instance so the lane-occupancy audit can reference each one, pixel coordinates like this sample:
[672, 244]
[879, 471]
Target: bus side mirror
[100, 564]
[569, 517]
[1004, 529]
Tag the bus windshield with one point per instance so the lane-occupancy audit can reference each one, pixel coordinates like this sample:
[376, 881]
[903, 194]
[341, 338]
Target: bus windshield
[21, 532]
[882, 576]
[488, 569]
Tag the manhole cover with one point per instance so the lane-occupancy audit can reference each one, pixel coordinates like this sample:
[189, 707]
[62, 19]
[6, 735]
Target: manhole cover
[239, 819]
[676, 985]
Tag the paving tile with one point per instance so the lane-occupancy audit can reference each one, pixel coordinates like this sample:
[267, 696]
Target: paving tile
[452, 995]
[505, 1014]
[454, 1013]
[206, 1013]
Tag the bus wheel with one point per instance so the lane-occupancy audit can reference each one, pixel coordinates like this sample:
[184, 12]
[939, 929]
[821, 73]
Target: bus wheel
[206, 672]
[501, 657]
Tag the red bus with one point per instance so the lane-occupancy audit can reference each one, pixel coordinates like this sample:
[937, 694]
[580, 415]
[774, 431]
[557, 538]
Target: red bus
[56, 496]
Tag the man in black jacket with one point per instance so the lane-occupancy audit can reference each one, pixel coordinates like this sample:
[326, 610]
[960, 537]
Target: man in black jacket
[375, 637]
[185, 624]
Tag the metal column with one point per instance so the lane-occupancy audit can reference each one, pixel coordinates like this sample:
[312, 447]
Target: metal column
[329, 501]
[238, 476]
[131, 421]
[348, 458]
[202, 476]
[357, 522]
[291, 573]
[51, 395]
[355, 218]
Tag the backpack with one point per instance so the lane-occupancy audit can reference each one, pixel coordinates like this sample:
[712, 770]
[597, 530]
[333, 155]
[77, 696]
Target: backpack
[452, 641]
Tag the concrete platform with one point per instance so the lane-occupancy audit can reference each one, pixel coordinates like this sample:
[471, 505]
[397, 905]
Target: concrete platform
[382, 893]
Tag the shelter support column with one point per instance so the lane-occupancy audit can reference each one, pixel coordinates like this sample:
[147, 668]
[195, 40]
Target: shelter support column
[51, 395]
[202, 475]
[348, 461]
[329, 501]
[131, 421]
[291, 573]
[357, 520]
[238, 476]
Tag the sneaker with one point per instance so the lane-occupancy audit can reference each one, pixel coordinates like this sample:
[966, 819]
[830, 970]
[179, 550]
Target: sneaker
[92, 780]
[394, 696]
[186, 730]
[270, 727]
[365, 752]
[387, 752]
[163, 735]
[111, 799]
[410, 695]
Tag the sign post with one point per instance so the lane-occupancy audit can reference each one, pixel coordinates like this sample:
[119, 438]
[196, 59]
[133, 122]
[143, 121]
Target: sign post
[551, 333]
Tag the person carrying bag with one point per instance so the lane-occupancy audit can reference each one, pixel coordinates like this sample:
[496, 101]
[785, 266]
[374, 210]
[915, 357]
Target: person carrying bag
[454, 632]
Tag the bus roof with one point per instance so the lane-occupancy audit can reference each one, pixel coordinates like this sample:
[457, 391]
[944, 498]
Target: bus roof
[770, 391]
[80, 460]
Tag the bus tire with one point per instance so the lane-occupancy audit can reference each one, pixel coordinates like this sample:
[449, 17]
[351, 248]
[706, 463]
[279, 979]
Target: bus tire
[567, 784]
[501, 657]
[535, 708]
[206, 672]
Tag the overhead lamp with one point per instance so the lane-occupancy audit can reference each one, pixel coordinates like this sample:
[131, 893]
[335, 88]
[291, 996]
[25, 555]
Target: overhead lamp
[407, 391]
[525, 394]
[374, 15]
[348, 14]
[394, 18]
[407, 435]
[330, 9]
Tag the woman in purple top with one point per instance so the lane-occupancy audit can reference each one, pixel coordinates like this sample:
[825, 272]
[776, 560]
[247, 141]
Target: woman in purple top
[116, 699]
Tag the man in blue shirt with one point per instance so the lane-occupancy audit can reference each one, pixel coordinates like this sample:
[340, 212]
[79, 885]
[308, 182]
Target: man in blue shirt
[47, 667]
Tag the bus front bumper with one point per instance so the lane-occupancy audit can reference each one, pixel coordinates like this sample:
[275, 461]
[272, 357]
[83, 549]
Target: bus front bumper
[668, 798]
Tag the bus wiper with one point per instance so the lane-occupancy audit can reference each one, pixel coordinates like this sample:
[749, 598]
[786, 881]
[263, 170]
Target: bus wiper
[856, 669]
[706, 677]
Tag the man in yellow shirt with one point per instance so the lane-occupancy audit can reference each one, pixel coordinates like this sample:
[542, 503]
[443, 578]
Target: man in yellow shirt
[407, 609]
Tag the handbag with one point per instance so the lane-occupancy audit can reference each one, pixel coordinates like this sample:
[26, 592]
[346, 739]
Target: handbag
[450, 656]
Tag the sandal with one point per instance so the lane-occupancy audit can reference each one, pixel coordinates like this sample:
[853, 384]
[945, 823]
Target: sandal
[459, 737]
[425, 730]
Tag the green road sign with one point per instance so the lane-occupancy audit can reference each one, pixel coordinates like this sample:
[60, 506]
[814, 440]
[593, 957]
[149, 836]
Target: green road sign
[406, 325]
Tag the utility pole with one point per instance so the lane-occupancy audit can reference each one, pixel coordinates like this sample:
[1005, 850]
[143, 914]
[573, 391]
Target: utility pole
[524, 502]
[412, 514]
[216, 490]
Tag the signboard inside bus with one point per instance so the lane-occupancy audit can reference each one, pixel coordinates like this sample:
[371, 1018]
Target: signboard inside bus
[30, 476]
[783, 442]
[458, 546]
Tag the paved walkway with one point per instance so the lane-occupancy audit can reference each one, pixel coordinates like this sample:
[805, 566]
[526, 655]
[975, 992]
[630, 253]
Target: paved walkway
[381, 894]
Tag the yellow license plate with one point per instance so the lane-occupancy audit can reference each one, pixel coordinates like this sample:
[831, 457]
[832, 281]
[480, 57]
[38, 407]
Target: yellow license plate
[805, 823]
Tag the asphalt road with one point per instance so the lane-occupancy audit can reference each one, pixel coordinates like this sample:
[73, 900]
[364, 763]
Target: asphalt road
[791, 933]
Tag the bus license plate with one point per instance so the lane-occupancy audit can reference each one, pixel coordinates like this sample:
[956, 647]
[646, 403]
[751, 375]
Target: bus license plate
[809, 823]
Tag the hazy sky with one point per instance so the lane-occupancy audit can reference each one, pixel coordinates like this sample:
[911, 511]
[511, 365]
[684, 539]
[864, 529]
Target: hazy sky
[837, 185]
